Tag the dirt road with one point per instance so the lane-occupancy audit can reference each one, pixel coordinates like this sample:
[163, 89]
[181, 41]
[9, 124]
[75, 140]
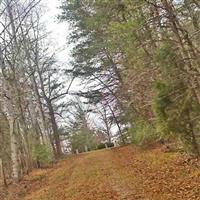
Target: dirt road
[117, 174]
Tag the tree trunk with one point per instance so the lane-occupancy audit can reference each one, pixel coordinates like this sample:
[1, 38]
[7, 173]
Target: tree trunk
[2, 174]
[55, 129]
[13, 147]
[117, 123]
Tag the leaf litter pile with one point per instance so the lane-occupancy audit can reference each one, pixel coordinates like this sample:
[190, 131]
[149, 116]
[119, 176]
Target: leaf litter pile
[124, 173]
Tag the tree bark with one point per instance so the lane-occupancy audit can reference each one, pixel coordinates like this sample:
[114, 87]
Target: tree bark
[55, 129]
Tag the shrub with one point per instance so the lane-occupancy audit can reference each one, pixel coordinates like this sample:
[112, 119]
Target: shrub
[143, 133]
[110, 144]
[42, 155]
[103, 145]
[80, 139]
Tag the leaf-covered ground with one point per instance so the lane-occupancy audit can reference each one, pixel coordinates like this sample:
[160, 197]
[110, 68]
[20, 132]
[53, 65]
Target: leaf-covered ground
[118, 174]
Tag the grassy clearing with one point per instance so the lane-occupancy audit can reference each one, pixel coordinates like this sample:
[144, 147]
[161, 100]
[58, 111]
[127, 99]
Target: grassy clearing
[120, 173]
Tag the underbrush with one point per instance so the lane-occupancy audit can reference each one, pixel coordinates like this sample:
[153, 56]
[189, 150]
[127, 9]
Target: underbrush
[144, 134]
[42, 156]
[104, 145]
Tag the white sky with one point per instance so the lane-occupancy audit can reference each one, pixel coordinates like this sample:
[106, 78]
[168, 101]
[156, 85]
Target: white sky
[58, 31]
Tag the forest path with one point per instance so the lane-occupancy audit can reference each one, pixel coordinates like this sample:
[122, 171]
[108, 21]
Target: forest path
[117, 174]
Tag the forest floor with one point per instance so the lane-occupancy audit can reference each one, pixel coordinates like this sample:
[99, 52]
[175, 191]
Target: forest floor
[124, 173]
